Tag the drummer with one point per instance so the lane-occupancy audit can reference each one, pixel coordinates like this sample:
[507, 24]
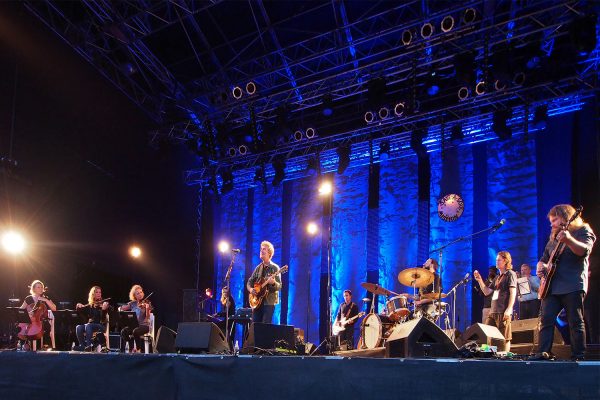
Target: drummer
[427, 306]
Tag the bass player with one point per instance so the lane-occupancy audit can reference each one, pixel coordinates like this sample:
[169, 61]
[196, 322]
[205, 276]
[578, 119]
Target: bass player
[265, 270]
[569, 282]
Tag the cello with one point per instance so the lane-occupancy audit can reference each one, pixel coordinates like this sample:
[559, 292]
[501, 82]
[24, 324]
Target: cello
[37, 311]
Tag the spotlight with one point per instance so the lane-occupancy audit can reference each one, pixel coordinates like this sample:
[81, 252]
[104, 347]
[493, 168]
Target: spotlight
[384, 151]
[480, 88]
[237, 92]
[298, 135]
[456, 133]
[231, 152]
[519, 79]
[243, 149]
[310, 133]
[325, 188]
[499, 123]
[369, 117]
[463, 93]
[135, 252]
[469, 16]
[427, 30]
[399, 109]
[416, 142]
[250, 88]
[447, 23]
[407, 37]
[279, 167]
[312, 228]
[327, 106]
[227, 177]
[13, 242]
[223, 246]
[384, 112]
[540, 117]
[499, 85]
[343, 152]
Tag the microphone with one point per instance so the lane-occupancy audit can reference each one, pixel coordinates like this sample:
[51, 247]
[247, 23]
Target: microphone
[466, 278]
[498, 225]
[235, 250]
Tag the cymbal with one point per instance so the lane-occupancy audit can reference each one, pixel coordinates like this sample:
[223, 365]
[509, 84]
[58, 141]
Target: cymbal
[375, 288]
[433, 296]
[419, 277]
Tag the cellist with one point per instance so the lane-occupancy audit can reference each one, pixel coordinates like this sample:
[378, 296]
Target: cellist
[34, 300]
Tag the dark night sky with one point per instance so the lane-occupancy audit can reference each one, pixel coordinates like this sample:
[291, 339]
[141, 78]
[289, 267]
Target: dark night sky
[88, 183]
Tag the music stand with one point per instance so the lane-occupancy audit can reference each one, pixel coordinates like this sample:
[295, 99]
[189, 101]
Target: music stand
[66, 321]
[128, 319]
[19, 315]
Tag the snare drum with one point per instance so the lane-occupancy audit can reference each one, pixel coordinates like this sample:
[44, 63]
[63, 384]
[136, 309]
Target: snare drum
[374, 329]
[397, 308]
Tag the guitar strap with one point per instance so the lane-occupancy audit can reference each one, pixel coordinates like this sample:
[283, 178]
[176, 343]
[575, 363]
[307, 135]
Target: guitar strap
[348, 309]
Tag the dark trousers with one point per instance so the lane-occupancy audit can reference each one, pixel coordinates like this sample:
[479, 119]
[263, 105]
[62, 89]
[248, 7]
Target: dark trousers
[347, 336]
[573, 305]
[126, 336]
[529, 309]
[263, 313]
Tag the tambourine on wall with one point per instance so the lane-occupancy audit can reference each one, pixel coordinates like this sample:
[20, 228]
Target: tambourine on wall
[450, 207]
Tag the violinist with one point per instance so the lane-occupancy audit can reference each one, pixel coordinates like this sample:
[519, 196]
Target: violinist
[142, 308]
[96, 311]
[37, 304]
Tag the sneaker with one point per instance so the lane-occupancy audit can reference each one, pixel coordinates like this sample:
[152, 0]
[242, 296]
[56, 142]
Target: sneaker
[544, 356]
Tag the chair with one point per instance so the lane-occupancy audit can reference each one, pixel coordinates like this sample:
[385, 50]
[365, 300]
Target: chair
[148, 337]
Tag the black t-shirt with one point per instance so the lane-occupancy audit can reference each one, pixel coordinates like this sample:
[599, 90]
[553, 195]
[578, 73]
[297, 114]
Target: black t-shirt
[502, 283]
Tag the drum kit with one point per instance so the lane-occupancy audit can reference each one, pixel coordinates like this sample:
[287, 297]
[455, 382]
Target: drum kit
[400, 308]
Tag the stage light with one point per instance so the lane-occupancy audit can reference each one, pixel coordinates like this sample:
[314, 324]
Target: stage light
[469, 16]
[135, 252]
[447, 23]
[250, 88]
[343, 152]
[399, 109]
[519, 79]
[327, 105]
[540, 117]
[279, 167]
[231, 152]
[312, 228]
[384, 112]
[369, 117]
[227, 177]
[237, 92]
[384, 151]
[499, 85]
[243, 150]
[427, 30]
[407, 37]
[223, 246]
[456, 132]
[463, 93]
[480, 88]
[500, 123]
[325, 188]
[310, 133]
[13, 242]
[298, 135]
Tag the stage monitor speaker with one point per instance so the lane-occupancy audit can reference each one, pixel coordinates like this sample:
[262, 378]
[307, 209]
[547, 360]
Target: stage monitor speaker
[200, 337]
[527, 331]
[484, 334]
[269, 336]
[419, 338]
[165, 340]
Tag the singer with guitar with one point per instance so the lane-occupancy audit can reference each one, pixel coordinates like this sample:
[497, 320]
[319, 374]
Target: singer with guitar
[265, 272]
[346, 318]
[563, 270]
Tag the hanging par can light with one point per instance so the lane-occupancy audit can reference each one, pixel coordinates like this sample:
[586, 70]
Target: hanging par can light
[237, 92]
[250, 88]
[499, 85]
[369, 117]
[427, 30]
[407, 37]
[298, 135]
[480, 88]
[463, 93]
[243, 149]
[399, 109]
[519, 79]
[447, 23]
[384, 112]
[469, 16]
[310, 133]
[231, 152]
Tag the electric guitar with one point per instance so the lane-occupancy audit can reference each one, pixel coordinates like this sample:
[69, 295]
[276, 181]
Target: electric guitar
[553, 260]
[256, 300]
[339, 326]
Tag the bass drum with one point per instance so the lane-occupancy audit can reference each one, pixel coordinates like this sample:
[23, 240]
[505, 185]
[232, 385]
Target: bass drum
[375, 329]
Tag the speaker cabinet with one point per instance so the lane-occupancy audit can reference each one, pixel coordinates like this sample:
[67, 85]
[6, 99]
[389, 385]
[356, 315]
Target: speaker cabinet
[200, 337]
[269, 336]
[165, 340]
[419, 338]
[527, 331]
[484, 334]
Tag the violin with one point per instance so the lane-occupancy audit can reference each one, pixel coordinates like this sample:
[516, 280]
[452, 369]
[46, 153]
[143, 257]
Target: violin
[147, 305]
[37, 311]
[97, 304]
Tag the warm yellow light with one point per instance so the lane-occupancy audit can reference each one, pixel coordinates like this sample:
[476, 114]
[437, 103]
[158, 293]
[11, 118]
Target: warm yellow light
[312, 228]
[223, 246]
[326, 188]
[135, 252]
[13, 242]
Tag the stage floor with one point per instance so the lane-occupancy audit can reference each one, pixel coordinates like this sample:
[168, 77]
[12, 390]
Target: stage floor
[69, 375]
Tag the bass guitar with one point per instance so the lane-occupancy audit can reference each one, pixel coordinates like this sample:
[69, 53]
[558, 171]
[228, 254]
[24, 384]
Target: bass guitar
[260, 288]
[340, 326]
[546, 279]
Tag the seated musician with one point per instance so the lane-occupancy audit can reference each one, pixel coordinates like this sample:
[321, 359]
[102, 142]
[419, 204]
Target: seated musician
[96, 312]
[207, 306]
[36, 294]
[142, 310]
[347, 310]
[427, 306]
[227, 310]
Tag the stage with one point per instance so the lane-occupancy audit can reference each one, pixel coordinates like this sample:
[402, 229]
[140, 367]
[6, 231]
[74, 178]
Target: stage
[67, 375]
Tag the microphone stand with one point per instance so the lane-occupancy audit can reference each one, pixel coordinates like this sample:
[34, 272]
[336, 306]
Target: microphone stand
[440, 251]
[227, 281]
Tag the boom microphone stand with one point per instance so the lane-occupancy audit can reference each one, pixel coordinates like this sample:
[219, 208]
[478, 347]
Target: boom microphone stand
[440, 251]
[226, 282]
